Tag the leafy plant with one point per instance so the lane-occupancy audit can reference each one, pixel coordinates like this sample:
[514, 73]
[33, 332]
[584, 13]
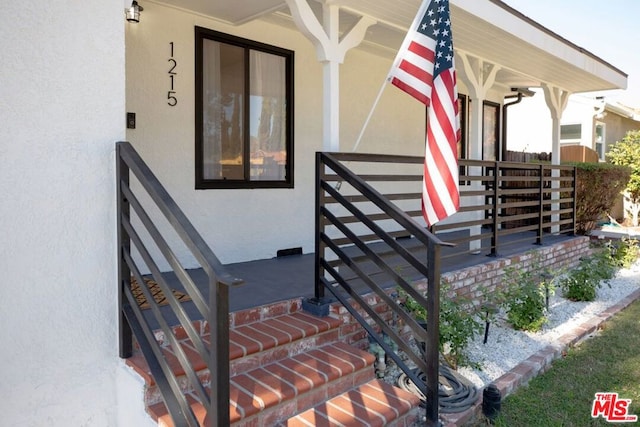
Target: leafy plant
[526, 308]
[627, 153]
[579, 285]
[582, 283]
[525, 296]
[625, 252]
[458, 323]
[597, 187]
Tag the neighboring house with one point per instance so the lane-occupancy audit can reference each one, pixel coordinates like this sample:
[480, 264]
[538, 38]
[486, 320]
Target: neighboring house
[612, 124]
[588, 121]
[72, 73]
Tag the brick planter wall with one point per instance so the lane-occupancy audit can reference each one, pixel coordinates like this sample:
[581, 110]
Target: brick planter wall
[472, 281]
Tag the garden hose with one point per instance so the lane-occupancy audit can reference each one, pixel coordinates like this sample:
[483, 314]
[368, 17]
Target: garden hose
[455, 393]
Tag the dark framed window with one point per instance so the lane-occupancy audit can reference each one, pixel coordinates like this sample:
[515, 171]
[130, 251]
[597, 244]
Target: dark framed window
[244, 113]
[490, 130]
[463, 109]
[462, 142]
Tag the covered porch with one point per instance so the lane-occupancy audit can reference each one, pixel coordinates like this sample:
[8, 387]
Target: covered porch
[367, 247]
[353, 217]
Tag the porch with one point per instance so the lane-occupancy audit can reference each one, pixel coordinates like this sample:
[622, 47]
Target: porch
[368, 241]
[291, 277]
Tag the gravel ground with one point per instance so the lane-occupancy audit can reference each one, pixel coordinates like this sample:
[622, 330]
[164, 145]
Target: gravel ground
[507, 347]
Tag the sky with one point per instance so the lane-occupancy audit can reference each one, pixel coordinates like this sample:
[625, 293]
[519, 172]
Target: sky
[609, 29]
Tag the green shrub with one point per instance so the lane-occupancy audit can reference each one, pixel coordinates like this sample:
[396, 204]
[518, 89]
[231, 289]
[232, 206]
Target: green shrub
[525, 299]
[624, 252]
[526, 292]
[458, 323]
[597, 187]
[627, 153]
[582, 283]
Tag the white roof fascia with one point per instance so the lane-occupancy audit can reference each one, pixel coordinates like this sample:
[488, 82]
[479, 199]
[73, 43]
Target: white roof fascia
[522, 27]
[622, 111]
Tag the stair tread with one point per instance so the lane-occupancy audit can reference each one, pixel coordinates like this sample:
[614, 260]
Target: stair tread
[244, 340]
[373, 404]
[284, 380]
[263, 335]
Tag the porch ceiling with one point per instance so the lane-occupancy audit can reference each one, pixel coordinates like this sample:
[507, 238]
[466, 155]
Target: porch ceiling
[529, 54]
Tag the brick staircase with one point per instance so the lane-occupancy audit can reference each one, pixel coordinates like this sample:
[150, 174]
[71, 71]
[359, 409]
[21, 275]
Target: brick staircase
[291, 369]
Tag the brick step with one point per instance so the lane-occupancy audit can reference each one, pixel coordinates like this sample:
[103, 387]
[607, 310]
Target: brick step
[251, 345]
[373, 404]
[268, 395]
[259, 343]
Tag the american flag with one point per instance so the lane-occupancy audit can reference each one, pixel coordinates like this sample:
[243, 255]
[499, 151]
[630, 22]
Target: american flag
[424, 68]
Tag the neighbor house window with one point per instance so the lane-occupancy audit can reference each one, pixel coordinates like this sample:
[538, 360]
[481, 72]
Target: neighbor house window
[571, 133]
[244, 113]
[601, 146]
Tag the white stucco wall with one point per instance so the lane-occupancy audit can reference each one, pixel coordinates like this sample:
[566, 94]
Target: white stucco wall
[253, 224]
[62, 110]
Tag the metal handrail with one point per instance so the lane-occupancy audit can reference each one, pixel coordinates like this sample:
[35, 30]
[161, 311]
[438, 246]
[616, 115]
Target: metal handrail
[353, 216]
[134, 322]
[427, 361]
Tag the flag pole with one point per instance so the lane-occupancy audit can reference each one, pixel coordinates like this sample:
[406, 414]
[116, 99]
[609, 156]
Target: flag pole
[366, 123]
[396, 61]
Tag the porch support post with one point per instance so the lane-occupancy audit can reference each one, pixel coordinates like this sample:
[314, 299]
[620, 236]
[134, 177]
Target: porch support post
[479, 76]
[556, 100]
[330, 50]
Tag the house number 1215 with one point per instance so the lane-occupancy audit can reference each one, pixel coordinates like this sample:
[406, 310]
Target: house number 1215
[172, 100]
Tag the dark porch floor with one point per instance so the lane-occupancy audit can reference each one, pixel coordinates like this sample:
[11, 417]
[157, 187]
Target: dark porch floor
[278, 279]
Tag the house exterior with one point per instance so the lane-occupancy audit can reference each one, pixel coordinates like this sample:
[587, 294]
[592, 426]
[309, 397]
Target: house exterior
[72, 74]
[589, 121]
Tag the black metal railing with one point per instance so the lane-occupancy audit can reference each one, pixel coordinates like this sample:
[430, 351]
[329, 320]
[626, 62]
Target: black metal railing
[370, 237]
[506, 203]
[357, 233]
[142, 248]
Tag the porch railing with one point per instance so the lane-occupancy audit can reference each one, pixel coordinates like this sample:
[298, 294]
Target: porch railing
[505, 203]
[370, 237]
[142, 247]
[356, 242]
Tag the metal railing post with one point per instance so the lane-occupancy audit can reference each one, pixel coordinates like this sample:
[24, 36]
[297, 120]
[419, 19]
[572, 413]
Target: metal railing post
[494, 236]
[319, 247]
[433, 333]
[218, 409]
[540, 206]
[574, 195]
[125, 334]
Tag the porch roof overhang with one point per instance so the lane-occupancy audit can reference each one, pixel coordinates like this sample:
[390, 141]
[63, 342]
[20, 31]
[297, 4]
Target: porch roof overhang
[529, 55]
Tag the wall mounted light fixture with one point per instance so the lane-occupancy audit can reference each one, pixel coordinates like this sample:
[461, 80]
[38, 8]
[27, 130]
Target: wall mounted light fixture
[133, 13]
